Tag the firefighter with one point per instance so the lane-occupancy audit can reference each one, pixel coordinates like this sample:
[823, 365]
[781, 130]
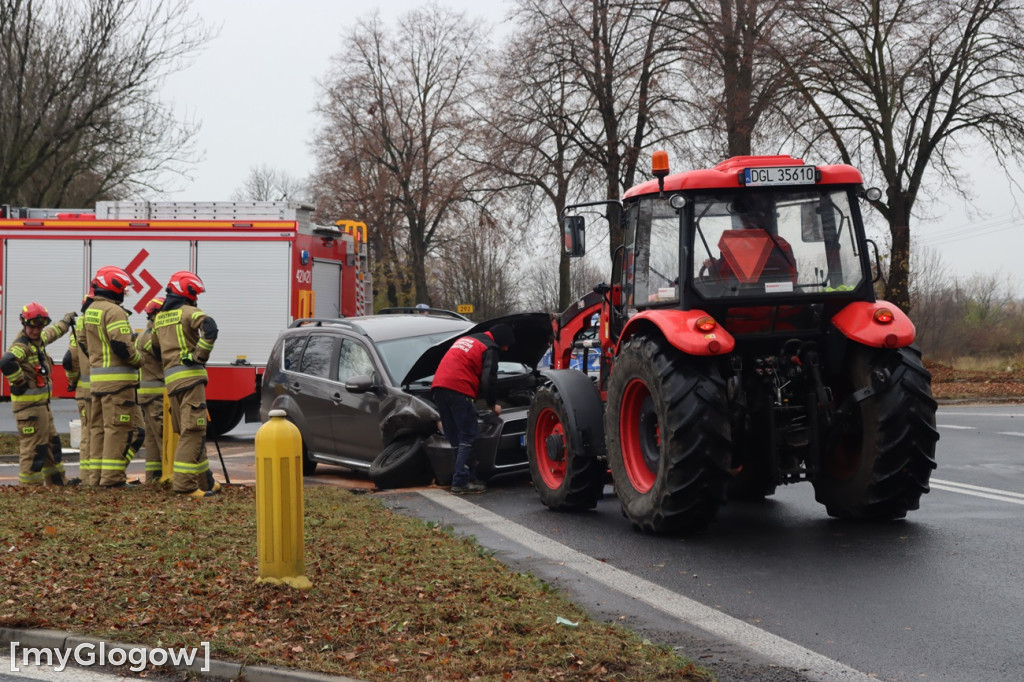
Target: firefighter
[28, 368]
[76, 367]
[469, 369]
[183, 337]
[151, 395]
[113, 377]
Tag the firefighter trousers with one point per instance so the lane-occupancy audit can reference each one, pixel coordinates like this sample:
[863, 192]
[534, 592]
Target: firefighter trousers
[39, 447]
[188, 419]
[112, 431]
[153, 417]
[88, 474]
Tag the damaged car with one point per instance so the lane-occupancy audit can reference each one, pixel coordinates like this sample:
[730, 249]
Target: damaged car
[358, 389]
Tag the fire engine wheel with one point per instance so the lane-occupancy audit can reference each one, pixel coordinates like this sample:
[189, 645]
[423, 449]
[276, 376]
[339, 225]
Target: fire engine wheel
[885, 448]
[564, 479]
[401, 464]
[668, 436]
[224, 416]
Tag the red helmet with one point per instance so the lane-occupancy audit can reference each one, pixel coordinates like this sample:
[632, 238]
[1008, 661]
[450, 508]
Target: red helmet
[186, 284]
[154, 305]
[111, 278]
[34, 315]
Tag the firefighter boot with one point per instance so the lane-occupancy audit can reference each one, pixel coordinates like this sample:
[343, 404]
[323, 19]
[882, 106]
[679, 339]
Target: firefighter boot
[214, 487]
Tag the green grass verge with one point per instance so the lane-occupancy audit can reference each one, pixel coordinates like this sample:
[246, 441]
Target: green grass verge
[392, 596]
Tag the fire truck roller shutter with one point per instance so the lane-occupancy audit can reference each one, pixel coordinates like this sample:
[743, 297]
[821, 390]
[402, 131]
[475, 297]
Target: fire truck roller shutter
[327, 287]
[51, 271]
[248, 285]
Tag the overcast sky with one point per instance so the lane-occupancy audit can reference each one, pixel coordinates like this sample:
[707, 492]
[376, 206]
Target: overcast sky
[253, 88]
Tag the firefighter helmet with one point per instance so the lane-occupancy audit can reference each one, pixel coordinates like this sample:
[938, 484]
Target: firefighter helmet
[186, 284]
[111, 278]
[34, 315]
[154, 305]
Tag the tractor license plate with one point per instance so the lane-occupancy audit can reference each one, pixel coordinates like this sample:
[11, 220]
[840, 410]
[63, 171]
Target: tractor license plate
[780, 175]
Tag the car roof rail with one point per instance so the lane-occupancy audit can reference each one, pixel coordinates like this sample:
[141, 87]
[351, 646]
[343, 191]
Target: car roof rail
[320, 322]
[408, 310]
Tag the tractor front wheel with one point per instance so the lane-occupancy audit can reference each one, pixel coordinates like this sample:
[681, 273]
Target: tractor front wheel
[884, 445]
[564, 478]
[668, 437]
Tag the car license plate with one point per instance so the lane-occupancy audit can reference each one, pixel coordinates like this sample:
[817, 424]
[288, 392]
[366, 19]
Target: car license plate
[780, 175]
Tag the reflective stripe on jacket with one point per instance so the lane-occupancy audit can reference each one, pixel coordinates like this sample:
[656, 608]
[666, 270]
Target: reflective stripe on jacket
[106, 322]
[178, 337]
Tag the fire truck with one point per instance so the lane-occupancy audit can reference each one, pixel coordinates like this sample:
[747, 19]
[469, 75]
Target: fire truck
[264, 265]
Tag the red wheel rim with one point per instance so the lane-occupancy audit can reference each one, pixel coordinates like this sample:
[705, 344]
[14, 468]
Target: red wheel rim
[639, 436]
[552, 471]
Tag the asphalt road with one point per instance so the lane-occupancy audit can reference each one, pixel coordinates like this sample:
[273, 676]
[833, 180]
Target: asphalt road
[936, 597]
[783, 587]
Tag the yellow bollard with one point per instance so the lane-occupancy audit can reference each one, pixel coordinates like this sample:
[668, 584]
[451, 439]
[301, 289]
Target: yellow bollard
[280, 541]
[170, 444]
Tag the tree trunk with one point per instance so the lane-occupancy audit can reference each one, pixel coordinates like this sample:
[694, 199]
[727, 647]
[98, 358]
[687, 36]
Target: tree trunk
[897, 289]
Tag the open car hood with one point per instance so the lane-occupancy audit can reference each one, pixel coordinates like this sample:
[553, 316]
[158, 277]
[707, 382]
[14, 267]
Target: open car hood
[533, 337]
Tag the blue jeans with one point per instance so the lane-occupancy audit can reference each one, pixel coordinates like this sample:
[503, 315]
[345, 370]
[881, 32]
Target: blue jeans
[458, 418]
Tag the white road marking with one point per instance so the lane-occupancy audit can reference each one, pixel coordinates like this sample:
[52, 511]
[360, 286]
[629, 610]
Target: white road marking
[781, 651]
[954, 426]
[978, 491]
[1011, 433]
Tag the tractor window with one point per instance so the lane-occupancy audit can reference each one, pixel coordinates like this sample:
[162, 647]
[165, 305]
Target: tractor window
[656, 254]
[753, 242]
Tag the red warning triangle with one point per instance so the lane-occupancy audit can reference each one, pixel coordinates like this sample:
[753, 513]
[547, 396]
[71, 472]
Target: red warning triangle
[746, 252]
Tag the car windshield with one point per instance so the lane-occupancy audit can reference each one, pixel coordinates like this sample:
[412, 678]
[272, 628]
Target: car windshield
[400, 355]
[781, 242]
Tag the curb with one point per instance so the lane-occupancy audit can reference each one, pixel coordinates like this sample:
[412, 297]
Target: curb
[57, 640]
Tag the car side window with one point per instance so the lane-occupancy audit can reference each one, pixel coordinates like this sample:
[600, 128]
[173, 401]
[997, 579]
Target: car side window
[316, 361]
[293, 352]
[353, 360]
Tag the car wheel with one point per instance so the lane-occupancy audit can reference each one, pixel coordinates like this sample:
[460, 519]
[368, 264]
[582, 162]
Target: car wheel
[308, 465]
[401, 464]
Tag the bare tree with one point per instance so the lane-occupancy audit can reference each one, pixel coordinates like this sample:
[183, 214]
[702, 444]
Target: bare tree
[622, 52]
[79, 118]
[736, 85]
[401, 102]
[478, 268]
[536, 105]
[899, 87]
[270, 184]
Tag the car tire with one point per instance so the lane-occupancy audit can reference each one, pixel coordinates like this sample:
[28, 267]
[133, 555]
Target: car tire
[308, 465]
[401, 464]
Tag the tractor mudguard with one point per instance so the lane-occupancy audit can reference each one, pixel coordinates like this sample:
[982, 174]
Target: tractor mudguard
[679, 328]
[859, 322]
[583, 409]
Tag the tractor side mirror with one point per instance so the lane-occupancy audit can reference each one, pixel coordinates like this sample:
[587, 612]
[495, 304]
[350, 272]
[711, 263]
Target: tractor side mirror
[574, 235]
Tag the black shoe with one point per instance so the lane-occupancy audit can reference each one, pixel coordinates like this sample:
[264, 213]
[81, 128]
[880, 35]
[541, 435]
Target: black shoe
[73, 481]
[471, 488]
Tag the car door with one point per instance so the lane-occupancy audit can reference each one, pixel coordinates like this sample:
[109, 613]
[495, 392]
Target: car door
[356, 415]
[312, 388]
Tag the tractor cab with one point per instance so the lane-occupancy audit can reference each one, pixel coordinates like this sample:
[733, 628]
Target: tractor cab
[763, 244]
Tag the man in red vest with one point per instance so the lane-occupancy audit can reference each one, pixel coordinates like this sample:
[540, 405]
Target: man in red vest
[469, 369]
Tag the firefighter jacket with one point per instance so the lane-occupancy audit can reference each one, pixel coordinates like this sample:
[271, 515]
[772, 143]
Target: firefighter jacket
[29, 368]
[76, 363]
[183, 337]
[107, 338]
[151, 386]
[470, 367]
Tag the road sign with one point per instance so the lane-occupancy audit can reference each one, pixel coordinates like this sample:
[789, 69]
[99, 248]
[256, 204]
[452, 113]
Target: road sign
[465, 309]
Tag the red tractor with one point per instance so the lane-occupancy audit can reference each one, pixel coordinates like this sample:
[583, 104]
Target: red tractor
[741, 347]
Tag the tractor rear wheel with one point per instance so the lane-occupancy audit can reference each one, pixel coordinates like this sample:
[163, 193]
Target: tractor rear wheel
[884, 449]
[564, 478]
[668, 437]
